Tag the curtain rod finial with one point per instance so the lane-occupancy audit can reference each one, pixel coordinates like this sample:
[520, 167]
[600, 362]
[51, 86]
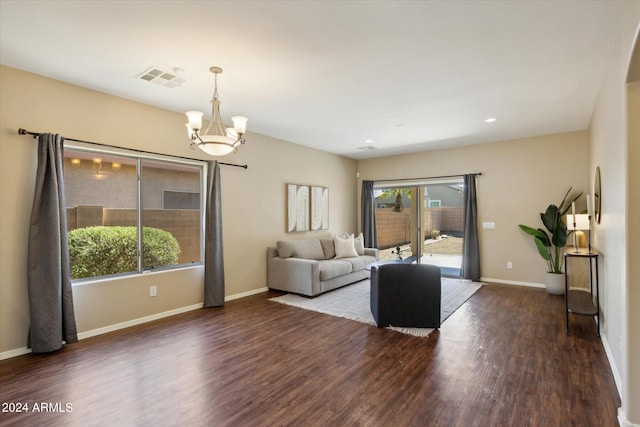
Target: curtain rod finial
[22, 131]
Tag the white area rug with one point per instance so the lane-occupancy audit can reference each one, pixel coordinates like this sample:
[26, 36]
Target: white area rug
[352, 302]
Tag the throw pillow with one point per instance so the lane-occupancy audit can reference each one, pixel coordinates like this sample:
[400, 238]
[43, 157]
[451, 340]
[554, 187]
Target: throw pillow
[358, 243]
[345, 247]
[308, 249]
[328, 247]
[285, 248]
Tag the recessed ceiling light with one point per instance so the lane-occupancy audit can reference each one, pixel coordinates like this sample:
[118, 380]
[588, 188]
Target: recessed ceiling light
[490, 120]
[369, 141]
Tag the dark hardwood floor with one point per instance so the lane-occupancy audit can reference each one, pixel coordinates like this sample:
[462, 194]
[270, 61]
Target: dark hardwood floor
[502, 359]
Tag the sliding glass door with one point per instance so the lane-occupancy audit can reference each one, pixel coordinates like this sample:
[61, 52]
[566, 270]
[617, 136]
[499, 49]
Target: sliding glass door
[397, 223]
[421, 222]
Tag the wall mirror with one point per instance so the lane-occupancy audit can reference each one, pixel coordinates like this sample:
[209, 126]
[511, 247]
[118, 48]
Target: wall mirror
[597, 195]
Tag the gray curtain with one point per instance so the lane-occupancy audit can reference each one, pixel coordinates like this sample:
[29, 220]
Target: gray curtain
[368, 215]
[213, 253]
[52, 318]
[470, 248]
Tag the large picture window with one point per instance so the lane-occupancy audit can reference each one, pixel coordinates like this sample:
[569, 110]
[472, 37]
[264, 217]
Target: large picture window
[117, 218]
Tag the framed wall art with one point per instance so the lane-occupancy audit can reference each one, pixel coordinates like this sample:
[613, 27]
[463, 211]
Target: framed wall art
[319, 208]
[297, 208]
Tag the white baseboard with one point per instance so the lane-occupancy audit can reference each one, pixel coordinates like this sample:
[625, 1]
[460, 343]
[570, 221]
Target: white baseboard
[111, 328]
[622, 418]
[14, 353]
[623, 421]
[512, 282]
[138, 321]
[246, 294]
[614, 369]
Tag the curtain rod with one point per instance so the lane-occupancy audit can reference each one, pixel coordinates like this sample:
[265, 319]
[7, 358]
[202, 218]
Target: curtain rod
[429, 177]
[35, 135]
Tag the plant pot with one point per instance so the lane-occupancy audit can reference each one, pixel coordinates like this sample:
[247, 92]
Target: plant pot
[554, 283]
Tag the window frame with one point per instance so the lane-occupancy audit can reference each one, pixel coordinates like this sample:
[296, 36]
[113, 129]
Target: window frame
[139, 157]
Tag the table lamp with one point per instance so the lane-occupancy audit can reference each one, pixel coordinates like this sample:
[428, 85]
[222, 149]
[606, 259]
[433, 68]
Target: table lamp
[579, 222]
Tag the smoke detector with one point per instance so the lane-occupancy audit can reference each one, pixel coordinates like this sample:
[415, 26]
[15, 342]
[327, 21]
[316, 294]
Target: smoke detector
[164, 78]
[367, 148]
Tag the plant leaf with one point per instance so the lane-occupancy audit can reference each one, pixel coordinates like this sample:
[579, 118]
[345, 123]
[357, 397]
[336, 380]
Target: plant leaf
[566, 208]
[559, 237]
[529, 230]
[565, 197]
[550, 218]
[543, 249]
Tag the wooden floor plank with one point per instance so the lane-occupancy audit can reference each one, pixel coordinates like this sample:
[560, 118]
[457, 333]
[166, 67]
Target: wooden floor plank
[503, 359]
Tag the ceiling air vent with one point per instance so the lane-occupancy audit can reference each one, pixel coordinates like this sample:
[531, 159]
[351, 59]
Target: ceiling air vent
[161, 77]
[367, 148]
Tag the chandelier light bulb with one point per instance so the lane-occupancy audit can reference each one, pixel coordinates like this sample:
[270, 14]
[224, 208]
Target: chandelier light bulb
[239, 124]
[195, 120]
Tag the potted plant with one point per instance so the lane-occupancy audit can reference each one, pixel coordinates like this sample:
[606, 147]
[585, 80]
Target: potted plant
[551, 246]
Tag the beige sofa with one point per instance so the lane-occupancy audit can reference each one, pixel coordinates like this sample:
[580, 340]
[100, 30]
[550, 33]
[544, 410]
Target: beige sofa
[310, 266]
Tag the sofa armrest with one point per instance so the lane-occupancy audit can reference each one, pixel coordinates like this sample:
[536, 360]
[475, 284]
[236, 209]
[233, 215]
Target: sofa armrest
[272, 252]
[297, 275]
[374, 252]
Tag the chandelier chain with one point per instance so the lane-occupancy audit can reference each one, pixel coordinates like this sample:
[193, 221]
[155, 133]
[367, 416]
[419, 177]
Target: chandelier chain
[215, 89]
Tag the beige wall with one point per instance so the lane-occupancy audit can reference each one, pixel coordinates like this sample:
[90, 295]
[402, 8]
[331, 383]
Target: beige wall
[613, 149]
[253, 200]
[519, 179]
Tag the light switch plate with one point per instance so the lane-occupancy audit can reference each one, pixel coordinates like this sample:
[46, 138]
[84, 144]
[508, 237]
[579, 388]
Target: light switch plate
[489, 225]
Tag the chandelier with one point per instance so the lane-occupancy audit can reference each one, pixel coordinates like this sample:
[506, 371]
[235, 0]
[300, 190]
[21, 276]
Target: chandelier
[216, 139]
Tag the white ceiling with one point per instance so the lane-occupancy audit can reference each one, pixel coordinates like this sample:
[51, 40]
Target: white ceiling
[409, 75]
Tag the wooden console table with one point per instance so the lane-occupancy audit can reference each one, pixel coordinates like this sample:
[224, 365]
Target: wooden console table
[582, 301]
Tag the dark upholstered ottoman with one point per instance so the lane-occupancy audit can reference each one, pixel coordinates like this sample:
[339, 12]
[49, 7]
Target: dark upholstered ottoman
[406, 295]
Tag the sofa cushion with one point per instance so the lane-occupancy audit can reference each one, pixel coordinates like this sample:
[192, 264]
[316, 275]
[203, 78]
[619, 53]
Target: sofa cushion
[360, 262]
[303, 248]
[328, 247]
[345, 247]
[334, 268]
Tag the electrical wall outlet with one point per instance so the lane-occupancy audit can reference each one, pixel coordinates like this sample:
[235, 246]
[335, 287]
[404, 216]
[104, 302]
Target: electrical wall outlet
[153, 291]
[509, 265]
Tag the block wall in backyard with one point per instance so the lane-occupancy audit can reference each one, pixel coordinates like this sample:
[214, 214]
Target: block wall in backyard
[394, 228]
